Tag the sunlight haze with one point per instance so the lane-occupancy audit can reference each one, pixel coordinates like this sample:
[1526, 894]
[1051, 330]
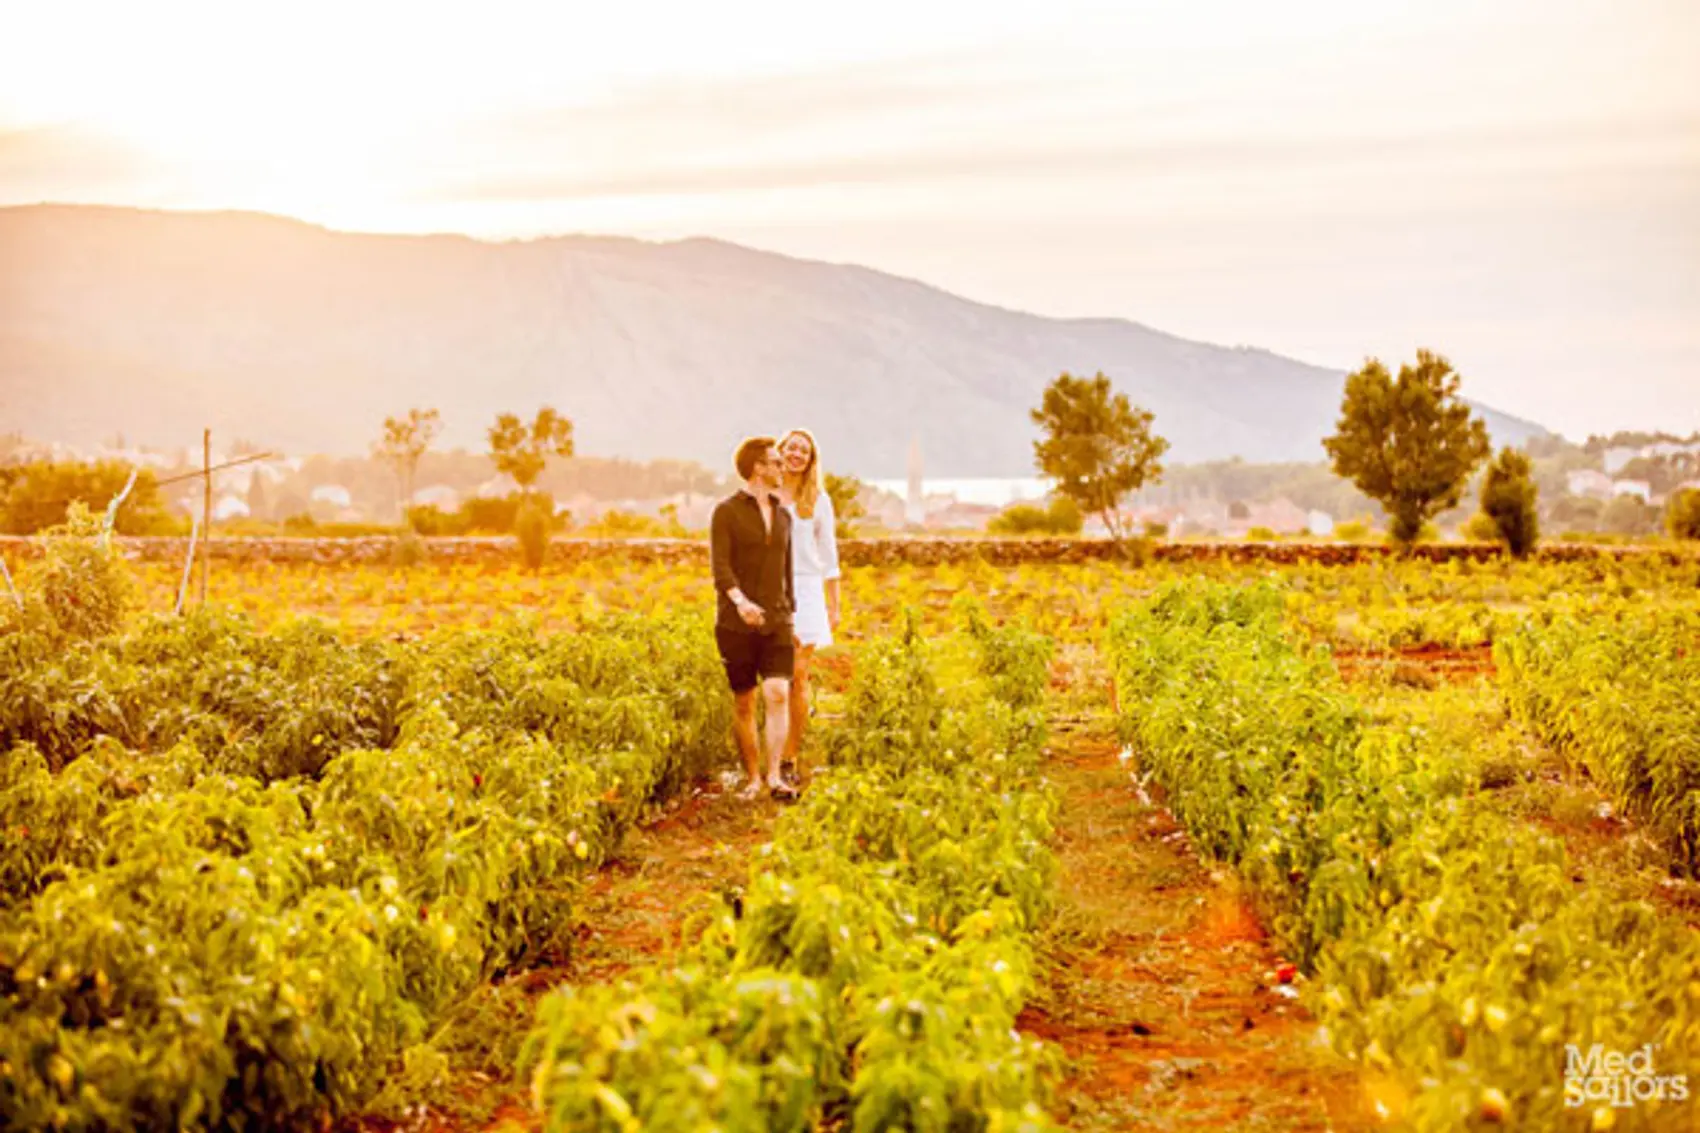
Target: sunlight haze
[1514, 184]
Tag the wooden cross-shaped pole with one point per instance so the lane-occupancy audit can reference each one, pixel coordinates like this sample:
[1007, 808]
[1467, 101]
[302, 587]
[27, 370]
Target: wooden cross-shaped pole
[206, 509]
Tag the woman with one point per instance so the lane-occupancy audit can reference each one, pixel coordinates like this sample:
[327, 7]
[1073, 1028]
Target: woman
[814, 573]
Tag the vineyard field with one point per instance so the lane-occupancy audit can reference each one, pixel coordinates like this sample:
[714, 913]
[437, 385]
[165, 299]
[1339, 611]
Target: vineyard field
[1094, 846]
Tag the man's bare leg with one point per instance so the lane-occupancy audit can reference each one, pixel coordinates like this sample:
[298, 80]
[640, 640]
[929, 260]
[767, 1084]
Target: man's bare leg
[744, 730]
[776, 695]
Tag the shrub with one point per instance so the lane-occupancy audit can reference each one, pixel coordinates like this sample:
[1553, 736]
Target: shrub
[1508, 500]
[1353, 531]
[80, 588]
[1155, 530]
[1682, 514]
[1061, 517]
[1262, 535]
[532, 524]
[1480, 528]
[493, 515]
[432, 520]
[408, 549]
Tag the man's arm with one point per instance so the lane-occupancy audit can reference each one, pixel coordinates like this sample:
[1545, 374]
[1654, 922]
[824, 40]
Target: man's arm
[720, 551]
[790, 536]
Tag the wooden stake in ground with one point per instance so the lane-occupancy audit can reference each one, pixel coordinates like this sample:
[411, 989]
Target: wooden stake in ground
[206, 509]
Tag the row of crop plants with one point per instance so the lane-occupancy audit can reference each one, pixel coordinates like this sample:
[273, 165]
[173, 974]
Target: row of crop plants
[243, 876]
[869, 976]
[1615, 689]
[1449, 948]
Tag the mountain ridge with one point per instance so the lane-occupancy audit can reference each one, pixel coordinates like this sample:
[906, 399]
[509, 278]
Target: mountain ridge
[288, 333]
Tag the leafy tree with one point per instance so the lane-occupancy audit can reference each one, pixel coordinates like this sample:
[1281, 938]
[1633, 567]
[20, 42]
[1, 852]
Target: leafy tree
[1408, 443]
[404, 441]
[258, 505]
[1097, 446]
[845, 492]
[1682, 514]
[521, 451]
[1508, 499]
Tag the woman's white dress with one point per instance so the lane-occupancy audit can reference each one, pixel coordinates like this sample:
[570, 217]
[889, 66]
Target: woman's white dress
[814, 559]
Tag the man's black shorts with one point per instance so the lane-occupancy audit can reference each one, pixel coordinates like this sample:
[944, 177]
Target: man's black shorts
[749, 655]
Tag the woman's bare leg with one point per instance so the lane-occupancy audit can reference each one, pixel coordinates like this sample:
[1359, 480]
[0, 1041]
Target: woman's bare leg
[805, 656]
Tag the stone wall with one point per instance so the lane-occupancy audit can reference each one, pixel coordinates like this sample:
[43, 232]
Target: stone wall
[504, 550]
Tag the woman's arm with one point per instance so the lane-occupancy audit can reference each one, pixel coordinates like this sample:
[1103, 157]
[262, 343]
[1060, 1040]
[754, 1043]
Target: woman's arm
[829, 556]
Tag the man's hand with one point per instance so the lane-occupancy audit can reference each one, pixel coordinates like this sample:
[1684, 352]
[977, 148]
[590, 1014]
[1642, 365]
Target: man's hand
[751, 613]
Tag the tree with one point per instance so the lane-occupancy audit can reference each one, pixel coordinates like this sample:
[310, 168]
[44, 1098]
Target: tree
[1508, 500]
[404, 441]
[521, 451]
[1408, 443]
[1097, 446]
[845, 492]
[258, 507]
[1682, 514]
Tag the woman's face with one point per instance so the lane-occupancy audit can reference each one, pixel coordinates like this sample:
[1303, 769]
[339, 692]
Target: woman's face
[797, 452]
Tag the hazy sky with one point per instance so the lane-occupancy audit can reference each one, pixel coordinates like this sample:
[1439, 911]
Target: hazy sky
[1515, 183]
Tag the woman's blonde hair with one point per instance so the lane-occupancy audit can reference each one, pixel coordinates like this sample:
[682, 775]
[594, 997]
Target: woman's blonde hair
[807, 491]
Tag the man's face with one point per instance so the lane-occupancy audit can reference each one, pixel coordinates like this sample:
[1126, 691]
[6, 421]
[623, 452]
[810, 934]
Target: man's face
[768, 473]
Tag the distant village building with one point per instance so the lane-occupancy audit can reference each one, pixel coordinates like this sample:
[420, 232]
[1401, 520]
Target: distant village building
[1617, 456]
[1589, 483]
[497, 487]
[1640, 489]
[231, 507]
[439, 496]
[1319, 524]
[333, 494]
[915, 507]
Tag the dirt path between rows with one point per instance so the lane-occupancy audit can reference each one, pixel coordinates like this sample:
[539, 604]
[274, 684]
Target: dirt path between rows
[635, 912]
[1161, 989]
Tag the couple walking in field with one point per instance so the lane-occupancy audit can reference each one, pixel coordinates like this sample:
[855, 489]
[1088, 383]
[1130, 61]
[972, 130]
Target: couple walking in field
[775, 558]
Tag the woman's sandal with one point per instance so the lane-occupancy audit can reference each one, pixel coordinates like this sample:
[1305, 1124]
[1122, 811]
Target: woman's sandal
[784, 792]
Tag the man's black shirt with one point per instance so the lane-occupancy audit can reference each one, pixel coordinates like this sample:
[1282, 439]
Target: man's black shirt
[756, 560]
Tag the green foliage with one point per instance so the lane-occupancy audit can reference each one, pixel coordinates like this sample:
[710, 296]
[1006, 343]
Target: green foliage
[245, 876]
[1629, 515]
[1060, 517]
[38, 496]
[1097, 446]
[869, 975]
[1408, 443]
[1449, 946]
[1682, 514]
[1262, 535]
[408, 549]
[1353, 531]
[522, 451]
[845, 492]
[79, 589]
[1509, 502]
[1480, 528]
[533, 526]
[1618, 693]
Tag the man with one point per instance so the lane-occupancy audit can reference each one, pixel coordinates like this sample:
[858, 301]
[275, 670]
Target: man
[750, 541]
